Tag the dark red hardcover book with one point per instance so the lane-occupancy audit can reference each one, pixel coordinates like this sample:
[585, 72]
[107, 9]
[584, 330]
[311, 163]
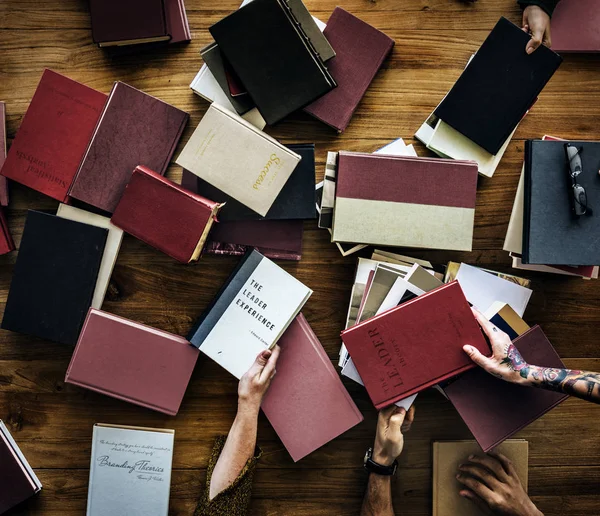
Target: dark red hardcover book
[493, 409]
[307, 403]
[177, 21]
[415, 345]
[575, 27]
[54, 135]
[6, 241]
[165, 215]
[134, 129]
[3, 180]
[360, 51]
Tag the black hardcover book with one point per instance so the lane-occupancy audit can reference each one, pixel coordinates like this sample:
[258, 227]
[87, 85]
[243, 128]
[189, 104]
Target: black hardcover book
[54, 277]
[552, 235]
[273, 57]
[214, 60]
[295, 201]
[498, 86]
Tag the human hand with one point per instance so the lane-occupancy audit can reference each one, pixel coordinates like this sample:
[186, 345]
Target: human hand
[254, 384]
[537, 23]
[491, 482]
[506, 362]
[389, 440]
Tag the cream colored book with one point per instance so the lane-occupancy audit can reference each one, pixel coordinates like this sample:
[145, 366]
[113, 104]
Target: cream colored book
[111, 249]
[513, 243]
[448, 455]
[234, 156]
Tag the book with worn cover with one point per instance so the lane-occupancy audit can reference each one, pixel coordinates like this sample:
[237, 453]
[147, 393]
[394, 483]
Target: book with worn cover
[548, 217]
[18, 482]
[360, 51]
[575, 27]
[449, 455]
[111, 249]
[54, 135]
[306, 403]
[280, 67]
[3, 180]
[498, 87]
[132, 362]
[238, 159]
[434, 198]
[415, 345]
[295, 201]
[493, 409]
[55, 277]
[130, 471]
[134, 129]
[165, 215]
[249, 314]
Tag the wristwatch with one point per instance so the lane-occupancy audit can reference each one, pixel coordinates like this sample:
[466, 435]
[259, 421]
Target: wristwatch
[379, 469]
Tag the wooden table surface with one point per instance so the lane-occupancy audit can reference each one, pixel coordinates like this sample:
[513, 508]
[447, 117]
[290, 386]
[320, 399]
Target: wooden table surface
[52, 422]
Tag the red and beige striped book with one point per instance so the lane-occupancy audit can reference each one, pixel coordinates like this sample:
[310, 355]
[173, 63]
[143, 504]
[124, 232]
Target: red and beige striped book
[405, 201]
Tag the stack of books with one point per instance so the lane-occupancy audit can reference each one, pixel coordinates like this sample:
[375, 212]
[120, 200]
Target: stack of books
[544, 210]
[478, 117]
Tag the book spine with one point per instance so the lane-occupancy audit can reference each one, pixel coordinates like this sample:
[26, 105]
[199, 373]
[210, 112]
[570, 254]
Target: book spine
[526, 202]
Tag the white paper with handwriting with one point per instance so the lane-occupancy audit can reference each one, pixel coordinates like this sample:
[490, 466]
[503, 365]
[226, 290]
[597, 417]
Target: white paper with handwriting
[130, 472]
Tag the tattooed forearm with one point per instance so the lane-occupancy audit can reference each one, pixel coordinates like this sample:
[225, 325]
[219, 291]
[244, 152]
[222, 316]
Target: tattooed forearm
[582, 384]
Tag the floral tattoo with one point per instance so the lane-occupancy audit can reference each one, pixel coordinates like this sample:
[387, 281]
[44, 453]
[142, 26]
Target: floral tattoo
[514, 361]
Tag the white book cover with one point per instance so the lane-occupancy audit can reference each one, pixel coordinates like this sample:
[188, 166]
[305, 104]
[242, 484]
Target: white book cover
[482, 289]
[111, 249]
[130, 471]
[238, 159]
[256, 306]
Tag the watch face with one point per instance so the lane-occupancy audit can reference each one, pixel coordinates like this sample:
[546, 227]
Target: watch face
[368, 455]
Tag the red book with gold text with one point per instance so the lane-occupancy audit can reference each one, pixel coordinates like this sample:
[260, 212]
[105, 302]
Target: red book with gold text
[54, 135]
[165, 215]
[415, 345]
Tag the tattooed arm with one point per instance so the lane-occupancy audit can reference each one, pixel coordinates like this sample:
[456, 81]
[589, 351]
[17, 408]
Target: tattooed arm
[508, 364]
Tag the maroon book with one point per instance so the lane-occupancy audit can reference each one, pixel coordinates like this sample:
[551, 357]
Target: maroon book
[575, 26]
[360, 52]
[132, 362]
[493, 409]
[165, 215]
[6, 241]
[134, 129]
[54, 135]
[307, 404]
[177, 21]
[415, 345]
[3, 180]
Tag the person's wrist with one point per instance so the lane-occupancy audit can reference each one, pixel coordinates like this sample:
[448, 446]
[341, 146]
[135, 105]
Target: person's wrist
[248, 406]
[382, 456]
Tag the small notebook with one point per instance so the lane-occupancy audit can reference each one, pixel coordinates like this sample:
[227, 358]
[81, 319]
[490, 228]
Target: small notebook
[306, 403]
[280, 67]
[449, 455]
[55, 277]
[17, 480]
[130, 471]
[54, 135]
[498, 87]
[249, 314]
[134, 129]
[360, 52]
[238, 159]
[3, 180]
[111, 249]
[165, 215]
[132, 362]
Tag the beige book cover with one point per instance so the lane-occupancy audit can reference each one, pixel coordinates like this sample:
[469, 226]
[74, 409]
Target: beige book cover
[111, 249]
[234, 156]
[423, 279]
[513, 243]
[448, 455]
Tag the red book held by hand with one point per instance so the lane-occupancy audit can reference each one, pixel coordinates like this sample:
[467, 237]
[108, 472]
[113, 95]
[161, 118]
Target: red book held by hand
[415, 345]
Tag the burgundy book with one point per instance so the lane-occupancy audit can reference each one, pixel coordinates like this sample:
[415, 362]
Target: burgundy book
[493, 409]
[415, 345]
[54, 135]
[575, 26]
[132, 362]
[307, 404]
[3, 180]
[134, 129]
[165, 215]
[177, 21]
[17, 480]
[6, 241]
[360, 52]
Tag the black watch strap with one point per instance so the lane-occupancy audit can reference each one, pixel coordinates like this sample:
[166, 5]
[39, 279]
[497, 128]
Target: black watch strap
[379, 469]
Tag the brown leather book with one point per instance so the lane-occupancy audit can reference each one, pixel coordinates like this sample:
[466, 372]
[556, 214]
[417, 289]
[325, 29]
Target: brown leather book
[134, 129]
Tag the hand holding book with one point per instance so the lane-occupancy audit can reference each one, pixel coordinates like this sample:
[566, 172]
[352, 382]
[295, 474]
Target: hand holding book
[254, 384]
